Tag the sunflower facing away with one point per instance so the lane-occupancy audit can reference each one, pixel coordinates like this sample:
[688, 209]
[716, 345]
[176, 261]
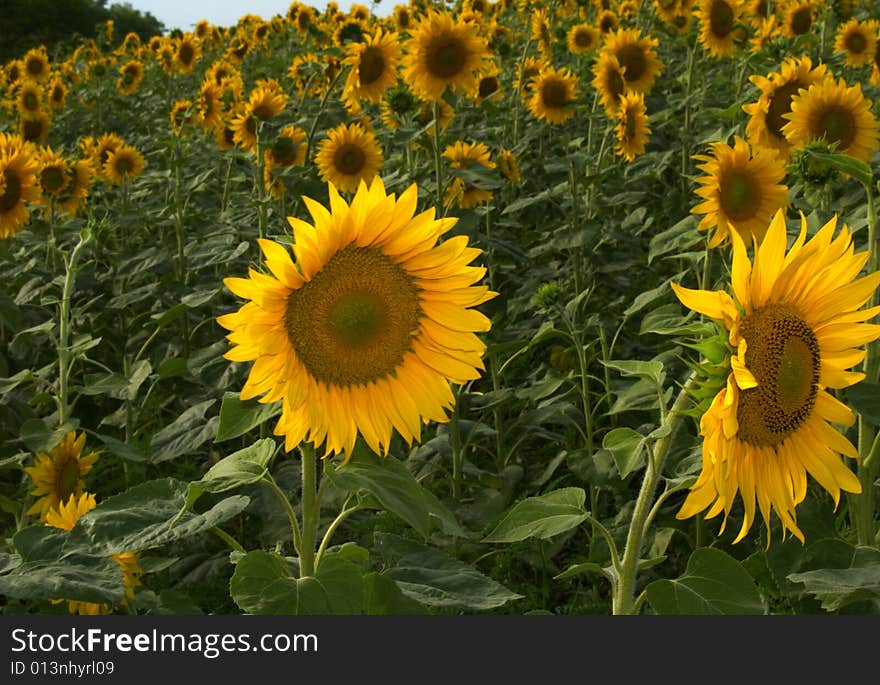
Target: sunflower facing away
[364, 331]
[18, 183]
[553, 95]
[443, 52]
[632, 126]
[65, 517]
[796, 327]
[348, 155]
[836, 112]
[58, 474]
[741, 190]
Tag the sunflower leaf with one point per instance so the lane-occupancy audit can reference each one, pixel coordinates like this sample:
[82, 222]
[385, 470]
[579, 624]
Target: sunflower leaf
[238, 416]
[541, 517]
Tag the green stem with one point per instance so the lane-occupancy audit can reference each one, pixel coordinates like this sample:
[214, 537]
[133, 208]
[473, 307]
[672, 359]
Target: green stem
[438, 167]
[325, 541]
[309, 511]
[291, 514]
[64, 354]
[323, 104]
[685, 148]
[259, 187]
[623, 601]
[455, 445]
[228, 539]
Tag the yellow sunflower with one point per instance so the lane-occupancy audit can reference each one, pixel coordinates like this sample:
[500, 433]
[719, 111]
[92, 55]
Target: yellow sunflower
[582, 38]
[858, 41]
[443, 53]
[36, 64]
[766, 116]
[799, 17]
[402, 18]
[210, 105]
[508, 165]
[34, 128]
[795, 327]
[632, 126]
[718, 19]
[836, 112]
[187, 52]
[875, 63]
[244, 127]
[554, 94]
[288, 149]
[125, 164]
[266, 102]
[58, 474]
[53, 174]
[766, 30]
[183, 113]
[636, 56]
[364, 331]
[609, 81]
[529, 71]
[348, 155]
[462, 156]
[373, 66]
[741, 190]
[18, 183]
[130, 76]
[606, 21]
[72, 199]
[57, 93]
[30, 99]
[65, 517]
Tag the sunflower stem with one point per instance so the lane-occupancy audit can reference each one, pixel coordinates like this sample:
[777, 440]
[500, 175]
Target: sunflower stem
[455, 445]
[291, 514]
[623, 602]
[325, 541]
[321, 107]
[438, 167]
[259, 188]
[228, 539]
[64, 353]
[685, 131]
[309, 511]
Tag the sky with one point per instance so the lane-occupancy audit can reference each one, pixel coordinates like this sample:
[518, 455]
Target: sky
[184, 14]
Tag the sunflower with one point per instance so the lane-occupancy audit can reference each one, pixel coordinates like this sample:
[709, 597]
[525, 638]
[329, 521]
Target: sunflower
[57, 93]
[183, 113]
[288, 149]
[795, 327]
[554, 93]
[186, 54]
[348, 155]
[125, 164]
[463, 156]
[373, 317]
[244, 127]
[58, 474]
[606, 21]
[443, 53]
[508, 165]
[609, 81]
[741, 190]
[632, 126]
[36, 64]
[799, 17]
[582, 38]
[718, 19]
[265, 102]
[73, 198]
[836, 112]
[130, 75]
[34, 128]
[540, 28]
[425, 115]
[858, 41]
[875, 64]
[349, 31]
[210, 105]
[402, 18]
[373, 67]
[18, 183]
[53, 174]
[636, 56]
[65, 517]
[528, 72]
[766, 30]
[30, 99]
[766, 116]
[489, 86]
[99, 151]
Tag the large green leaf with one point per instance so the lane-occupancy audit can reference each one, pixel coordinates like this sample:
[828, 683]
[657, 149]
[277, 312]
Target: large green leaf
[384, 597]
[239, 468]
[837, 587]
[626, 447]
[431, 577]
[81, 577]
[185, 435]
[652, 370]
[541, 517]
[144, 516]
[237, 417]
[713, 583]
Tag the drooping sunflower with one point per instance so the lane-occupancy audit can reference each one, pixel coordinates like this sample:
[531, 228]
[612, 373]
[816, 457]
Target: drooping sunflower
[425, 115]
[57, 93]
[636, 55]
[508, 165]
[130, 76]
[36, 64]
[363, 332]
[632, 128]
[183, 113]
[609, 81]
[554, 94]
[34, 128]
[541, 34]
[443, 53]
[795, 327]
[836, 112]
[582, 38]
[528, 72]
[59, 473]
[489, 86]
[288, 149]
[348, 155]
[741, 190]
[766, 116]
[125, 164]
[718, 19]
[463, 156]
[18, 183]
[65, 517]
[373, 66]
[858, 41]
[798, 18]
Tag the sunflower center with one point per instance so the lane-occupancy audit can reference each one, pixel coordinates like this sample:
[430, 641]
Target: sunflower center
[783, 355]
[186, 54]
[123, 165]
[30, 101]
[52, 179]
[284, 151]
[68, 477]
[780, 104]
[488, 85]
[12, 194]
[446, 57]
[837, 125]
[632, 59]
[33, 130]
[720, 19]
[263, 110]
[583, 38]
[740, 196]
[354, 321]
[372, 65]
[34, 66]
[554, 94]
[801, 21]
[349, 159]
[856, 43]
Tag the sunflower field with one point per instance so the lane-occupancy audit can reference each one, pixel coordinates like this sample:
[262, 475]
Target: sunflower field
[485, 307]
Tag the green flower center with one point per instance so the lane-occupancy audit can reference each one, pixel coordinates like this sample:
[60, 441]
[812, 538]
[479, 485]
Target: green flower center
[740, 196]
[837, 125]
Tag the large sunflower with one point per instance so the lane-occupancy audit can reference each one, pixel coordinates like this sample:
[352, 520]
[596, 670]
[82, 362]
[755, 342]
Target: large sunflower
[795, 327]
[554, 93]
[373, 66]
[632, 126]
[858, 41]
[348, 155]
[636, 56]
[443, 53]
[766, 116]
[59, 473]
[18, 183]
[836, 112]
[741, 190]
[364, 331]
[718, 32]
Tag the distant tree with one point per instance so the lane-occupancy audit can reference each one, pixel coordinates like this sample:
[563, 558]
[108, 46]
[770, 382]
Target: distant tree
[25, 24]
